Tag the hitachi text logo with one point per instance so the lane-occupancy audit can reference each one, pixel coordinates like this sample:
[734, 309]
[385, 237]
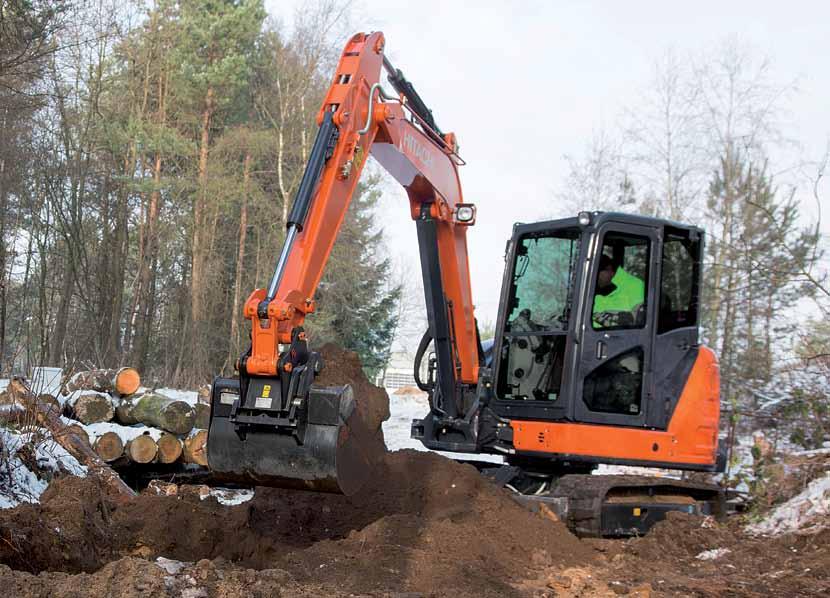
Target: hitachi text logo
[416, 148]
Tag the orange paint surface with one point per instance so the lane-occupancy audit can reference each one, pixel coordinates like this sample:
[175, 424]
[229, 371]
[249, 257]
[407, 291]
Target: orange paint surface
[425, 169]
[691, 438]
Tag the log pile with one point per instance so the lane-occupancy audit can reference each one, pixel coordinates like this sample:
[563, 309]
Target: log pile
[128, 426]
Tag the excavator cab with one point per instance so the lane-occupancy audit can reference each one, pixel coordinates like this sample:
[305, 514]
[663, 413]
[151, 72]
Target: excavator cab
[595, 318]
[596, 343]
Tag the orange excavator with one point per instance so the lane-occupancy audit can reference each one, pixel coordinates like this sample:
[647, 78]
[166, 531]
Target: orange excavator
[568, 383]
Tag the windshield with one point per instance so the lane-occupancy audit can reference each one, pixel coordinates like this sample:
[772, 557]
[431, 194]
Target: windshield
[539, 307]
[542, 279]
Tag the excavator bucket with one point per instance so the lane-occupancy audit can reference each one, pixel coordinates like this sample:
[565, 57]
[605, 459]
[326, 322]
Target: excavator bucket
[314, 442]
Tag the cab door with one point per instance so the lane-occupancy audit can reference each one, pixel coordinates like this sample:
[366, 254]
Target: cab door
[613, 382]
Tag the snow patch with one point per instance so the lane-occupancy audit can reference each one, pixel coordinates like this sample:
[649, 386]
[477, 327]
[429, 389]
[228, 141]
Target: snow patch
[403, 408]
[52, 456]
[18, 484]
[188, 396]
[126, 433]
[711, 555]
[171, 566]
[809, 509]
[230, 497]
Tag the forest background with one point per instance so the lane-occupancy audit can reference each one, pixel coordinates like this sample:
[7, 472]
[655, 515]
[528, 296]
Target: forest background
[149, 153]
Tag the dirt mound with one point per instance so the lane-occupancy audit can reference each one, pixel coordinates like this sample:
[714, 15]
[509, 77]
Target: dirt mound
[682, 536]
[425, 523]
[687, 555]
[342, 367]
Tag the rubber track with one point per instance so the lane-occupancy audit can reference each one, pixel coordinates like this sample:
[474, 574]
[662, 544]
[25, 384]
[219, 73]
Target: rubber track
[586, 494]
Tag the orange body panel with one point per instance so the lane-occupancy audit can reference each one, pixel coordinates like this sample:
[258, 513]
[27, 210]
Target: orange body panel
[427, 171]
[691, 437]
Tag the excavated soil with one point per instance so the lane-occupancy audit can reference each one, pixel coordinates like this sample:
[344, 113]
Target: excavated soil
[342, 367]
[671, 560]
[424, 526]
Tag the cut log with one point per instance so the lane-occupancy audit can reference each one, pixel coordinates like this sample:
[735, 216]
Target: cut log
[156, 410]
[78, 430]
[109, 446]
[6, 397]
[203, 393]
[124, 381]
[141, 449]
[170, 448]
[77, 445]
[202, 420]
[195, 448]
[90, 407]
[51, 400]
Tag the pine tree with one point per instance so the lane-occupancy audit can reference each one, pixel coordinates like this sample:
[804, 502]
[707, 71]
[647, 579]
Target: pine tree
[753, 277]
[357, 307]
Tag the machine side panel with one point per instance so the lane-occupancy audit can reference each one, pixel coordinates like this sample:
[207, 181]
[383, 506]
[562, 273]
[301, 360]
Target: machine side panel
[691, 438]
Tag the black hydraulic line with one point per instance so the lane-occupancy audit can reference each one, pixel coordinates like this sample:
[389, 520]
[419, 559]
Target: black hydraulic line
[413, 98]
[320, 152]
[419, 357]
[436, 304]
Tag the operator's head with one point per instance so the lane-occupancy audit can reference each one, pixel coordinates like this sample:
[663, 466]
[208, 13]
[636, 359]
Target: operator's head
[607, 270]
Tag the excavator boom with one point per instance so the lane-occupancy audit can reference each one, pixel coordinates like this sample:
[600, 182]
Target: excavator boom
[265, 425]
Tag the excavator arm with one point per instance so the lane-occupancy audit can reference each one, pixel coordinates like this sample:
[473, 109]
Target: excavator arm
[263, 425]
[358, 118]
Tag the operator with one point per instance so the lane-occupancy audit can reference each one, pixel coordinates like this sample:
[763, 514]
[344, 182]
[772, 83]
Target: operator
[618, 297]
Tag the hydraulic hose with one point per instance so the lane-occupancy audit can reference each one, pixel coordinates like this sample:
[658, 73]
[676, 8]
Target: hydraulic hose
[419, 357]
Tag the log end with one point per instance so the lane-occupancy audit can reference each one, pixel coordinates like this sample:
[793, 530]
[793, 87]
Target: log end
[169, 448]
[127, 381]
[142, 449]
[195, 448]
[109, 446]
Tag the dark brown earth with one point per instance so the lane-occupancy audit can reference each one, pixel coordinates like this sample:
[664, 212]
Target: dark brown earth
[424, 526]
[343, 367]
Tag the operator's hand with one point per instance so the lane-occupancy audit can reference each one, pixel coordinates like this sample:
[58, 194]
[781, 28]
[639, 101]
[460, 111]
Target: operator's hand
[614, 319]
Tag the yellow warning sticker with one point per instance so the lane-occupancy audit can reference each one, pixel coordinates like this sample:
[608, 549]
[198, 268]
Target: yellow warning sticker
[266, 391]
[636, 511]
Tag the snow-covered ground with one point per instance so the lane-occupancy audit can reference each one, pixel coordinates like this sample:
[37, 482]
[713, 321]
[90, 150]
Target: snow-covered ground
[809, 509]
[403, 408]
[17, 482]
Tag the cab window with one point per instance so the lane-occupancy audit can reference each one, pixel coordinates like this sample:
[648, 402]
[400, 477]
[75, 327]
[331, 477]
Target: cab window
[620, 289]
[679, 282]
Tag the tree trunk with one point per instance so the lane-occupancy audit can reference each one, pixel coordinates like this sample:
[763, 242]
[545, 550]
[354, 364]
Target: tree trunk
[90, 407]
[199, 254]
[62, 314]
[123, 381]
[76, 444]
[240, 260]
[169, 449]
[109, 446]
[147, 269]
[141, 449]
[195, 448]
[157, 411]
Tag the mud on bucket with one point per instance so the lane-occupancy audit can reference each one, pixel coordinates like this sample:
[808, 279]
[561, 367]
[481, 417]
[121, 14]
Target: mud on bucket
[331, 450]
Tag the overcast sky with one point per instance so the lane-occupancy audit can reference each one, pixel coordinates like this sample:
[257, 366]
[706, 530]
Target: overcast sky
[522, 84]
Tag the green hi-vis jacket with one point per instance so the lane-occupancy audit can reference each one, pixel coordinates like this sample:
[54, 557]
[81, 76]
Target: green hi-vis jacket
[629, 293]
